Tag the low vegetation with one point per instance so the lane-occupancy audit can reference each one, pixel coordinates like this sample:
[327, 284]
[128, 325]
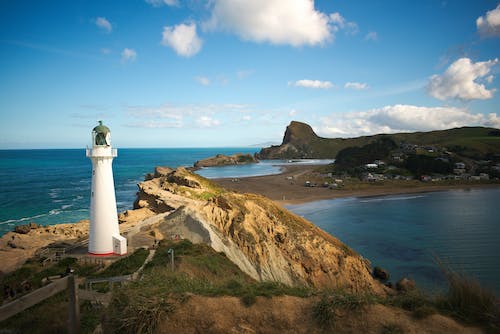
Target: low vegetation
[139, 306]
[334, 304]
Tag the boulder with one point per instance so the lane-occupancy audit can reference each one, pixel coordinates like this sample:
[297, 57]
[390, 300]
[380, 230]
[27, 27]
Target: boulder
[381, 273]
[22, 229]
[405, 284]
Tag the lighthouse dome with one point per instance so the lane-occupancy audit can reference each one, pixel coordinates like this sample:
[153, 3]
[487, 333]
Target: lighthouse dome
[101, 135]
[101, 129]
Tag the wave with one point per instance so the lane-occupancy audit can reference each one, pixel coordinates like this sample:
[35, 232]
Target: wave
[391, 198]
[22, 219]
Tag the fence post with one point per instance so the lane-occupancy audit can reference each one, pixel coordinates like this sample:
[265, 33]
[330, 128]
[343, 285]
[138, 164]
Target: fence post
[73, 306]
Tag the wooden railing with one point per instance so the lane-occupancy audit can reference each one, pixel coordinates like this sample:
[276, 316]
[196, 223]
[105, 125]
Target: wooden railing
[66, 283]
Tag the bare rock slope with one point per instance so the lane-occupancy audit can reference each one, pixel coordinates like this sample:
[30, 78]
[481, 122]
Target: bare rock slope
[265, 240]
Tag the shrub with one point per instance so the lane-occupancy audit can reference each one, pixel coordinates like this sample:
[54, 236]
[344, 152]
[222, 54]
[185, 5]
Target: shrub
[325, 310]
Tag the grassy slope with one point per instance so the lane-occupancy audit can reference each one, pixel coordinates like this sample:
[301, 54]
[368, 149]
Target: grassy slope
[473, 138]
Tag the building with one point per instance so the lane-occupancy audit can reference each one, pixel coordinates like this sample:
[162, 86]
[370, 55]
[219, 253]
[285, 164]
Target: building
[104, 234]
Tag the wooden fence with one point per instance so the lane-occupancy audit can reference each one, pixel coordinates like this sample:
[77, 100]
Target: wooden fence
[35, 297]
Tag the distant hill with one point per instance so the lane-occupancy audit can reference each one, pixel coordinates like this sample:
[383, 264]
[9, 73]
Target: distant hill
[300, 141]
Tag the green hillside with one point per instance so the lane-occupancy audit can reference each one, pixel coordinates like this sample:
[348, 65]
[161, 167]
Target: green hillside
[300, 141]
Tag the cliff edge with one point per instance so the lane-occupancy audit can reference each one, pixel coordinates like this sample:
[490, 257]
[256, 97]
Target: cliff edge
[265, 240]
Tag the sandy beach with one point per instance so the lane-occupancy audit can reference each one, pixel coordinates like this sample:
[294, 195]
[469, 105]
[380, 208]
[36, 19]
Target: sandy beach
[288, 187]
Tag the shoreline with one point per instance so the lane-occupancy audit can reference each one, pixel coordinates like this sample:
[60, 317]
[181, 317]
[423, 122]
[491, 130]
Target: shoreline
[281, 189]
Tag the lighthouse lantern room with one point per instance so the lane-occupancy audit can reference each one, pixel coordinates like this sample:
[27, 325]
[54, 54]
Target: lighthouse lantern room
[104, 234]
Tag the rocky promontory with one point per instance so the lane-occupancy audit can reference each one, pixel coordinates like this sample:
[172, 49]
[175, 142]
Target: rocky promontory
[225, 160]
[265, 240]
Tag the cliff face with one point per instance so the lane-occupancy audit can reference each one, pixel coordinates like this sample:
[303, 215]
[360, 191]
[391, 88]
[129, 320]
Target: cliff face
[225, 160]
[263, 239]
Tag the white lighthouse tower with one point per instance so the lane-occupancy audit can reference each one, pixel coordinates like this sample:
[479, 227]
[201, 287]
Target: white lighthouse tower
[104, 234]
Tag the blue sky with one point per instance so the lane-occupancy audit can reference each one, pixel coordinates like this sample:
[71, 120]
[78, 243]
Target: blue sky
[174, 73]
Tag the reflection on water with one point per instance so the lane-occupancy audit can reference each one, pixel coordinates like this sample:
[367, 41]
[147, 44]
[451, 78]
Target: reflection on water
[403, 233]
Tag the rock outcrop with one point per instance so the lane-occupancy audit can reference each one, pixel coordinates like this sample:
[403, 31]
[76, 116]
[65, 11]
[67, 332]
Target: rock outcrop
[265, 240]
[16, 248]
[225, 160]
[300, 141]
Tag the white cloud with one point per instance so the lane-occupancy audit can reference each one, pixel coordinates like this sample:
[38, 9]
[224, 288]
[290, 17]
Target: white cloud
[183, 39]
[402, 118]
[203, 81]
[247, 117]
[460, 81]
[338, 22]
[311, 84]
[104, 24]
[292, 112]
[207, 122]
[355, 85]
[371, 36]
[105, 51]
[489, 24]
[128, 55]
[184, 116]
[242, 74]
[159, 3]
[292, 22]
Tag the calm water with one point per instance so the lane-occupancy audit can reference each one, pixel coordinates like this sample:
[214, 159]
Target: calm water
[402, 233]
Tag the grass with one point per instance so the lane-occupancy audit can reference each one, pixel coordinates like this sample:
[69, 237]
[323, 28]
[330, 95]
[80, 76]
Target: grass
[327, 309]
[127, 265]
[467, 300]
[136, 307]
[32, 272]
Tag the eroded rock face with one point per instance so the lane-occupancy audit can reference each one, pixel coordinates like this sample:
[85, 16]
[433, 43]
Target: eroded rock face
[263, 239]
[225, 160]
[16, 248]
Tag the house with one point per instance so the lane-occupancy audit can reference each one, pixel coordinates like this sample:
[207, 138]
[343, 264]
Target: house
[426, 178]
[371, 166]
[459, 165]
[484, 176]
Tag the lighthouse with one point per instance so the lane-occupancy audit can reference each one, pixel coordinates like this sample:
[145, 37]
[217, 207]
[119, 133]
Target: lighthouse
[104, 234]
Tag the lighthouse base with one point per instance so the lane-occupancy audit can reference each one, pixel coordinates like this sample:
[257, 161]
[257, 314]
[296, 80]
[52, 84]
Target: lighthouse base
[119, 245]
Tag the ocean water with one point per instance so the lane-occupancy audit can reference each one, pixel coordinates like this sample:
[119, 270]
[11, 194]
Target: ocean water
[399, 233]
[53, 186]
[403, 233]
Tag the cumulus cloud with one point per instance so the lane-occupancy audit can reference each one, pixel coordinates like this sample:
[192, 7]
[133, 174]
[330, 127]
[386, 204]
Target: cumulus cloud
[402, 118]
[159, 3]
[128, 55]
[356, 85]
[104, 24]
[293, 22]
[311, 84]
[207, 122]
[460, 81]
[489, 24]
[183, 39]
[203, 81]
[371, 36]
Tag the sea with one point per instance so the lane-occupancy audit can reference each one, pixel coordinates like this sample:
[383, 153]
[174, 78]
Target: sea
[401, 233]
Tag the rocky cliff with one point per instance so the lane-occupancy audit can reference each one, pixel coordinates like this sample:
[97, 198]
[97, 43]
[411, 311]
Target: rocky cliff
[300, 141]
[225, 160]
[265, 240]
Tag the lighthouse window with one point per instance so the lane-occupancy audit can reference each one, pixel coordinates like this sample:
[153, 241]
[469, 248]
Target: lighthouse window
[92, 194]
[93, 171]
